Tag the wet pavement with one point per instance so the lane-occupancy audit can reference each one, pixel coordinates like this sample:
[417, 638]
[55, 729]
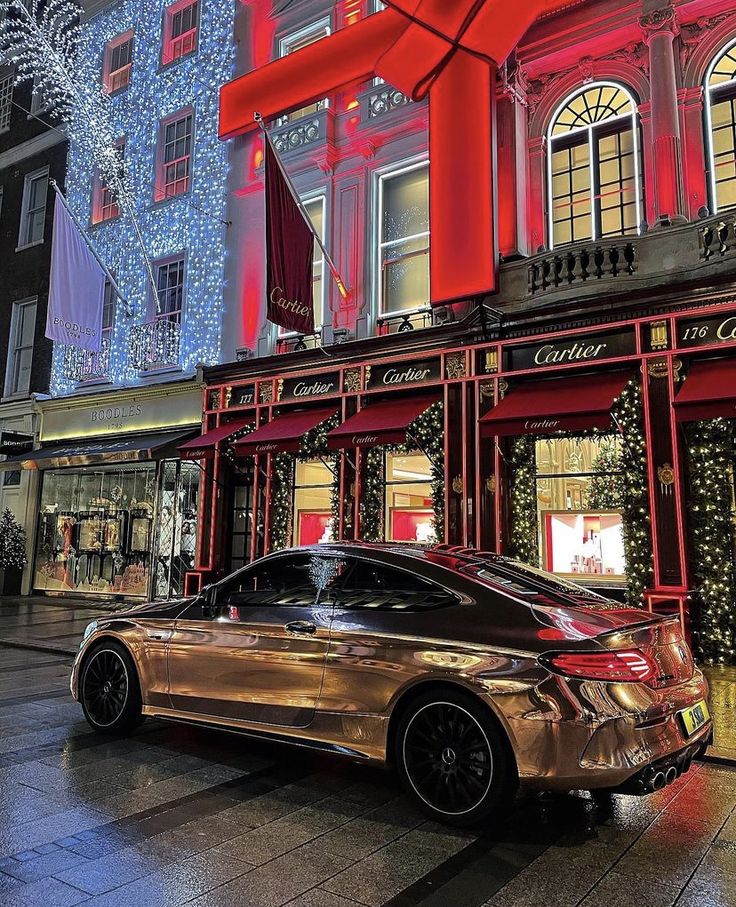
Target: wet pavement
[176, 815]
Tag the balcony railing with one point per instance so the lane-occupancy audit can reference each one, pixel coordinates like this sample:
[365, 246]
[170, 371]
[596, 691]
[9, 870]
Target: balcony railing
[85, 365]
[155, 345]
[718, 238]
[311, 129]
[408, 320]
[583, 263]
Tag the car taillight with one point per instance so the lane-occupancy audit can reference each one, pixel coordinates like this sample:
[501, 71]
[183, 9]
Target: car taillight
[625, 666]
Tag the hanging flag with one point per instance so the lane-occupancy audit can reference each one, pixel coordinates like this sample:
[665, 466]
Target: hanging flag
[289, 254]
[76, 287]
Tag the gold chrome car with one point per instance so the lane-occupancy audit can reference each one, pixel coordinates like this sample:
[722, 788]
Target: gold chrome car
[467, 671]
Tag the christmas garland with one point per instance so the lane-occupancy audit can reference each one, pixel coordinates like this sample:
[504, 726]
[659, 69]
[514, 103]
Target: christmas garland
[626, 490]
[427, 432]
[710, 453]
[524, 538]
[313, 447]
[638, 550]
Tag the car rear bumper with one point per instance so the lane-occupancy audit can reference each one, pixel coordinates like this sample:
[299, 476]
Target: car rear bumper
[595, 735]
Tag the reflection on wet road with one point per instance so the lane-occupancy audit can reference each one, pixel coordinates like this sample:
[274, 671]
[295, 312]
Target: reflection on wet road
[175, 815]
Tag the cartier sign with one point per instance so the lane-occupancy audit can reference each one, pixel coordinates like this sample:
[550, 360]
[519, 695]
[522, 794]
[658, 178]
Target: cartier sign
[705, 331]
[571, 350]
[310, 386]
[402, 373]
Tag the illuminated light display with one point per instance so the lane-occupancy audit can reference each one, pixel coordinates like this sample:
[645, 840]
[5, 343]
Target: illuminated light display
[425, 50]
[193, 223]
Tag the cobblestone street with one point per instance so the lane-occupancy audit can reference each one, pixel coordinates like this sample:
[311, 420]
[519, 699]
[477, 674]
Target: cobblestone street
[175, 815]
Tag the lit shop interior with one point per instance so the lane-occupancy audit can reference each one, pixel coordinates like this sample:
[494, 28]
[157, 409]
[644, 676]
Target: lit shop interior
[579, 486]
[126, 530]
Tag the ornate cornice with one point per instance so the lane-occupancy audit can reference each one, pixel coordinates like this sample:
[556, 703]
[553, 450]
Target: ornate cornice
[660, 21]
[694, 32]
[633, 54]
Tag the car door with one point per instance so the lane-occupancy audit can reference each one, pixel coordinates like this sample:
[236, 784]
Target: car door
[381, 616]
[261, 657]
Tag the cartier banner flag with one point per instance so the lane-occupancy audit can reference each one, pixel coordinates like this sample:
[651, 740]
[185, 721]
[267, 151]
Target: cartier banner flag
[289, 254]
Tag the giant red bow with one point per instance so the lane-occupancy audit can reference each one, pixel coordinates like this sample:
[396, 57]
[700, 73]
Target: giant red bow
[446, 49]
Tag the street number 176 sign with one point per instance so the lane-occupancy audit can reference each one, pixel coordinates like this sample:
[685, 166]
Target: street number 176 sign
[706, 331]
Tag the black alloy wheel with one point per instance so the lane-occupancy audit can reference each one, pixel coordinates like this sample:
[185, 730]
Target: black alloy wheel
[109, 690]
[451, 758]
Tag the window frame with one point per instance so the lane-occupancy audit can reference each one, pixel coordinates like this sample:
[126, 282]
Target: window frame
[100, 190]
[7, 75]
[167, 28]
[107, 72]
[380, 177]
[728, 89]
[160, 194]
[165, 262]
[14, 348]
[593, 131]
[323, 25]
[25, 212]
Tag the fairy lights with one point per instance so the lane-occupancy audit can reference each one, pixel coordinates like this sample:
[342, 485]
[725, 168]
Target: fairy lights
[193, 223]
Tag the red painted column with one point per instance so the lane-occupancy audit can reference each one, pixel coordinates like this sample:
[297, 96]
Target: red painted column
[512, 180]
[660, 28]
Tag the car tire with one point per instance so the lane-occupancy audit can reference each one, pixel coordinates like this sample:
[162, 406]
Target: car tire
[109, 690]
[452, 759]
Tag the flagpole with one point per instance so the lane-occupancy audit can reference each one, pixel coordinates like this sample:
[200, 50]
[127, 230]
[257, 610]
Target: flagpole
[344, 292]
[100, 262]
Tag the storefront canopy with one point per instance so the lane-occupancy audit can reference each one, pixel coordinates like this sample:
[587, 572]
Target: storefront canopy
[709, 392]
[577, 403]
[284, 433]
[380, 423]
[203, 446]
[94, 453]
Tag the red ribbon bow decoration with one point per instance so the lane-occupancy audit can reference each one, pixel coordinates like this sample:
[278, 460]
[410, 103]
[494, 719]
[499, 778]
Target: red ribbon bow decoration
[446, 50]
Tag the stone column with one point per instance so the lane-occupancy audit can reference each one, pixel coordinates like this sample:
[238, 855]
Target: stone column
[660, 29]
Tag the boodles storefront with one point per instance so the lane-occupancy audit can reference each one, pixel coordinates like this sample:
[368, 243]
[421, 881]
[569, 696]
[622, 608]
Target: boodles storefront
[117, 511]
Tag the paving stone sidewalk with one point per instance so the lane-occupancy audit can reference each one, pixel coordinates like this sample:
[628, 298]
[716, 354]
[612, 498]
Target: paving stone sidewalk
[175, 815]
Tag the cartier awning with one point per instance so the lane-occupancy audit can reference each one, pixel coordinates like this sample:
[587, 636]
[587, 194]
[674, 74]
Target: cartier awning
[576, 403]
[284, 433]
[93, 453]
[709, 391]
[380, 423]
[203, 447]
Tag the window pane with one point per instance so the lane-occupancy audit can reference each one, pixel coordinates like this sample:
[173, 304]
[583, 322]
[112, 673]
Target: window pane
[405, 275]
[405, 205]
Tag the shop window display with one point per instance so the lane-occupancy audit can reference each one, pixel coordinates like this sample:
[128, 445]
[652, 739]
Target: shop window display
[409, 511]
[99, 531]
[313, 522]
[579, 487]
[89, 524]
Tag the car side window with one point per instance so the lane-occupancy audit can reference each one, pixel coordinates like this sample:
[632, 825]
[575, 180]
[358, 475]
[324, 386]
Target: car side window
[369, 585]
[283, 582]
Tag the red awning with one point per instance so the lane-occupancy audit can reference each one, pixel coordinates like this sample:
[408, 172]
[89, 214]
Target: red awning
[284, 433]
[709, 391]
[380, 423]
[556, 404]
[203, 447]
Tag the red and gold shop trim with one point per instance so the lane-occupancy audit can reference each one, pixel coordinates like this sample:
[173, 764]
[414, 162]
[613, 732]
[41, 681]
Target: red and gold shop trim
[523, 377]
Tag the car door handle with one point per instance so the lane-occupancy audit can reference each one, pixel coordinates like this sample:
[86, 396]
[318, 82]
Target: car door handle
[163, 635]
[301, 626]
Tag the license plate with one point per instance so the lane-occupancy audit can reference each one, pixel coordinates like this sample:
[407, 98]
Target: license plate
[694, 717]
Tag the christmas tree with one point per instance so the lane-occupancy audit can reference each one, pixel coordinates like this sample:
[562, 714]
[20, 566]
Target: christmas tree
[12, 542]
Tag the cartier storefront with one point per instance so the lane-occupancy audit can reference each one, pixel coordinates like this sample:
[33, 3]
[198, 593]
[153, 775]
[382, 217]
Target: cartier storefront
[117, 510]
[580, 451]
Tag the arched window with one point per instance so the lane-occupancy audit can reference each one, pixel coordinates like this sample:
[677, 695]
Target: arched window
[594, 176]
[720, 110]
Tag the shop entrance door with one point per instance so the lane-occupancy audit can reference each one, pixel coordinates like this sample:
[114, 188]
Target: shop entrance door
[241, 525]
[176, 527]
